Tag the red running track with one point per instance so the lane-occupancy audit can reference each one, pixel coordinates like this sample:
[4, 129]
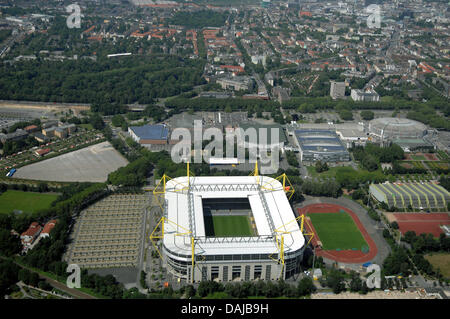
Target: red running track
[344, 256]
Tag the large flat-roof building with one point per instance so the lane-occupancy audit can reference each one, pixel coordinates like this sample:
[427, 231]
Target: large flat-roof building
[321, 145]
[236, 83]
[196, 248]
[15, 136]
[349, 133]
[149, 134]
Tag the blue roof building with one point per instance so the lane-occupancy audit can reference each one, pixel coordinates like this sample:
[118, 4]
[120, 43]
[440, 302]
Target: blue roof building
[149, 134]
[320, 144]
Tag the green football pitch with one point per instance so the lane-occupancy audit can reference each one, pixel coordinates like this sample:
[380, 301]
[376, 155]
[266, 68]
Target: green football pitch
[337, 231]
[25, 201]
[228, 226]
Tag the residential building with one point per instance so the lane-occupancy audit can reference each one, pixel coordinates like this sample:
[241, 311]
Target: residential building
[337, 90]
[366, 96]
[30, 235]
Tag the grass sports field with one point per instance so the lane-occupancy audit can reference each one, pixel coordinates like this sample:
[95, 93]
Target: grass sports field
[25, 201]
[337, 231]
[440, 261]
[228, 226]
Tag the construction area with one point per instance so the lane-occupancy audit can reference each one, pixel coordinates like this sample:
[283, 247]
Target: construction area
[109, 233]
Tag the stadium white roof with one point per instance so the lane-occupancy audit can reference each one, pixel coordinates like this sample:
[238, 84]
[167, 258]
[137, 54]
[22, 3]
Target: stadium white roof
[269, 205]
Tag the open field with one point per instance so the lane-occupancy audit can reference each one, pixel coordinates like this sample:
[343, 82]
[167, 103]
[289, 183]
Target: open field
[90, 164]
[228, 226]
[25, 201]
[418, 158]
[441, 261]
[337, 231]
[331, 172]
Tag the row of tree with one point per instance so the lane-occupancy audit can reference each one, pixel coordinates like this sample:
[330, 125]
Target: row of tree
[259, 288]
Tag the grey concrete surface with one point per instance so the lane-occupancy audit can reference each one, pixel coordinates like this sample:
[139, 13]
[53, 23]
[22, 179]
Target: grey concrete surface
[90, 164]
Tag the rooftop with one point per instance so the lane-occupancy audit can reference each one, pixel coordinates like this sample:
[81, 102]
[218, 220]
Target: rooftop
[151, 132]
[269, 205]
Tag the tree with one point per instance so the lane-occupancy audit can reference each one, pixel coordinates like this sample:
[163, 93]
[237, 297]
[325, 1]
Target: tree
[208, 287]
[355, 283]
[305, 287]
[321, 167]
[364, 288]
[335, 281]
[367, 115]
[8, 275]
[9, 244]
[370, 163]
[118, 120]
[97, 121]
[24, 276]
[34, 279]
[189, 291]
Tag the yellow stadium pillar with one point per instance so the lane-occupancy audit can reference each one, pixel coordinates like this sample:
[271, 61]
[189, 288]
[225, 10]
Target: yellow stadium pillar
[193, 258]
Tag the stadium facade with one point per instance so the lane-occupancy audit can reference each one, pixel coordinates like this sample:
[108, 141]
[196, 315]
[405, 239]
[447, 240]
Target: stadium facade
[321, 145]
[192, 249]
[411, 195]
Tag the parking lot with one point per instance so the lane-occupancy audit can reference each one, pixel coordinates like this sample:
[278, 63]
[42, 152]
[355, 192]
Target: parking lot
[90, 164]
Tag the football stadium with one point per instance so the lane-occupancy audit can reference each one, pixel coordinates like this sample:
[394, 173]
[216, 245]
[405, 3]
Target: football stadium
[228, 228]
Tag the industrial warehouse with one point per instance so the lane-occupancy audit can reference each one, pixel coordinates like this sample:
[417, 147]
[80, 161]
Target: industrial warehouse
[411, 195]
[229, 228]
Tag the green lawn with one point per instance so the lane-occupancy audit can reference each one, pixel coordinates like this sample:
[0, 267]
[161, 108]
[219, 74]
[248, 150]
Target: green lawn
[337, 231]
[331, 172]
[25, 201]
[228, 226]
[418, 158]
[440, 261]
[87, 126]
